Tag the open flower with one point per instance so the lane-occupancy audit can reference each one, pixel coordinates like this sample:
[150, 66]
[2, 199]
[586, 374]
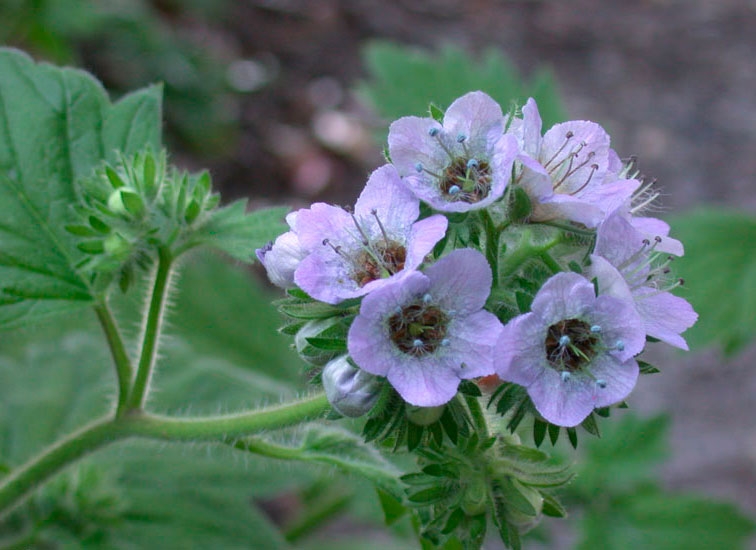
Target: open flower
[629, 265]
[574, 351]
[427, 331]
[460, 165]
[570, 173]
[353, 253]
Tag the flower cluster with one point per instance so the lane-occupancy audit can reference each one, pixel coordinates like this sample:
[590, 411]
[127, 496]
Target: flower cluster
[559, 299]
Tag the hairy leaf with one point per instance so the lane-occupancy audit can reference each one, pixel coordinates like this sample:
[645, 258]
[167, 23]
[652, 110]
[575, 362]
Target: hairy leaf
[719, 268]
[56, 125]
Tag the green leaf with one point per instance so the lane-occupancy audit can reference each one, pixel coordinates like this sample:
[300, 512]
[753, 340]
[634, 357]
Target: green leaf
[56, 125]
[403, 80]
[625, 456]
[662, 521]
[719, 268]
[238, 233]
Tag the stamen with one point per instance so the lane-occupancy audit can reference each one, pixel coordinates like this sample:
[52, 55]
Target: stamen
[454, 189]
[336, 249]
[601, 383]
[365, 239]
[567, 138]
[571, 170]
[433, 132]
[461, 138]
[419, 167]
[619, 345]
[594, 167]
[564, 340]
[417, 343]
[472, 164]
[374, 212]
[427, 298]
[596, 329]
[445, 342]
[566, 376]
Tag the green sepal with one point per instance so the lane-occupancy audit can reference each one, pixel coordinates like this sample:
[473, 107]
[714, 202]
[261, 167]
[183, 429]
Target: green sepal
[647, 368]
[436, 112]
[552, 507]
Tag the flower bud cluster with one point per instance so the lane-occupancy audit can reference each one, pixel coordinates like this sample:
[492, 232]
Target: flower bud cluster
[129, 209]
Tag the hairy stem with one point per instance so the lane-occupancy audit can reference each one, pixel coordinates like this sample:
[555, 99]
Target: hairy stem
[152, 328]
[124, 369]
[479, 418]
[492, 242]
[23, 480]
[227, 426]
[524, 251]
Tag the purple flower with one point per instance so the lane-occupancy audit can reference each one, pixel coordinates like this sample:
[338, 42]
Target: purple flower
[574, 351]
[427, 331]
[281, 258]
[630, 266]
[570, 173]
[460, 165]
[351, 254]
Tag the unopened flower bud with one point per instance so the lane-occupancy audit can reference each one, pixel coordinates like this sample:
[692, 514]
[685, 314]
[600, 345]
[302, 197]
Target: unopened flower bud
[424, 416]
[282, 259]
[314, 329]
[126, 202]
[350, 390]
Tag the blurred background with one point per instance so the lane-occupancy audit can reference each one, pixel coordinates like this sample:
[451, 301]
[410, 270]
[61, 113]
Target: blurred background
[287, 101]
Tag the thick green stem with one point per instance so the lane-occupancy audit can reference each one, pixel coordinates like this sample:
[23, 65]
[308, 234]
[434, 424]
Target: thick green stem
[152, 328]
[228, 426]
[24, 479]
[551, 263]
[124, 369]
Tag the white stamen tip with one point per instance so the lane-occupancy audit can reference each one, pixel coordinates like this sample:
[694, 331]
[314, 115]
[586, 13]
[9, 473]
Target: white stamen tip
[566, 376]
[596, 328]
[445, 342]
[427, 298]
[451, 312]
[417, 343]
[461, 138]
[433, 132]
[620, 345]
[419, 167]
[564, 340]
[601, 383]
[472, 163]
[454, 189]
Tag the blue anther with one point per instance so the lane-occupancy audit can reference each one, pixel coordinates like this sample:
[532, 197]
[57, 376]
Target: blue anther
[620, 345]
[566, 376]
[564, 340]
[433, 132]
[454, 189]
[417, 343]
[461, 138]
[601, 383]
[427, 298]
[472, 163]
[419, 167]
[596, 328]
[445, 342]
[451, 312]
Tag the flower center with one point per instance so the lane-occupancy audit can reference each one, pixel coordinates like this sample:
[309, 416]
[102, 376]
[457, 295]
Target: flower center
[466, 180]
[571, 344]
[418, 329]
[382, 260]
